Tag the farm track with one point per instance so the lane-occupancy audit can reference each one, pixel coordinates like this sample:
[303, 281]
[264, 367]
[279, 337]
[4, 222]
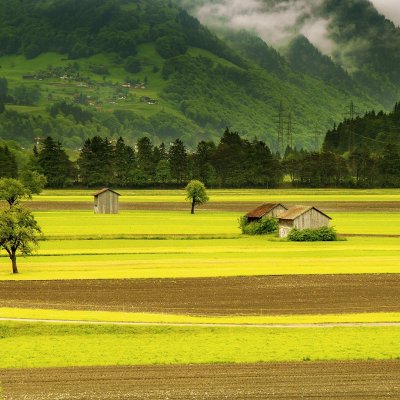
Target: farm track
[290, 381]
[265, 295]
[327, 206]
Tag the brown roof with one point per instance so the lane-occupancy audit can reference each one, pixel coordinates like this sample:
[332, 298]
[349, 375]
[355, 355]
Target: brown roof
[105, 190]
[260, 211]
[297, 211]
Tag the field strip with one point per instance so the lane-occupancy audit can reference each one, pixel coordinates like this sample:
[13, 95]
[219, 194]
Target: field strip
[35, 344]
[165, 318]
[281, 381]
[362, 295]
[209, 325]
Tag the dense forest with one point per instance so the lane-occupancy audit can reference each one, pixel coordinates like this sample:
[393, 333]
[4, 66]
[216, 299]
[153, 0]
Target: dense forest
[233, 162]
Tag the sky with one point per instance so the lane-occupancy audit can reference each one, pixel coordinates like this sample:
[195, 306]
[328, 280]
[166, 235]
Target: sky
[389, 8]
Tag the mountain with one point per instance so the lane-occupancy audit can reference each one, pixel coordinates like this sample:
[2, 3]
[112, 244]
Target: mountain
[75, 69]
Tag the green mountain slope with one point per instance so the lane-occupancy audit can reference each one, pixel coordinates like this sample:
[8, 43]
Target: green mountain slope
[139, 67]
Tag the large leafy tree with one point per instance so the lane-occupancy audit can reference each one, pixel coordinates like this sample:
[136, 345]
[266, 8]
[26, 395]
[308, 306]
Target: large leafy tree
[13, 191]
[19, 233]
[196, 194]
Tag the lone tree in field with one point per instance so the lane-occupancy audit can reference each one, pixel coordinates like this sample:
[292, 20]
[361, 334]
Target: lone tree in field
[19, 233]
[12, 191]
[196, 193]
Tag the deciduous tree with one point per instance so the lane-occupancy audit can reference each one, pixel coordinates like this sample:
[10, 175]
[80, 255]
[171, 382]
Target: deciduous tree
[196, 194]
[19, 233]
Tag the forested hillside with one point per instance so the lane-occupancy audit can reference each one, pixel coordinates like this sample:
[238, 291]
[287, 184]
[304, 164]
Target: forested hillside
[130, 68]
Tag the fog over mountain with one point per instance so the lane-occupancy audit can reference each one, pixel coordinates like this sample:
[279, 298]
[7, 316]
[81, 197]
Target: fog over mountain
[276, 22]
[389, 8]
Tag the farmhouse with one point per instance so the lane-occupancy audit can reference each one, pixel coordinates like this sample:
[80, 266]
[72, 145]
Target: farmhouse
[106, 202]
[266, 210]
[302, 217]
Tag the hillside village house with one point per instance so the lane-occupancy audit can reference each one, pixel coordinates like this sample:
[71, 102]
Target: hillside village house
[106, 201]
[266, 210]
[302, 217]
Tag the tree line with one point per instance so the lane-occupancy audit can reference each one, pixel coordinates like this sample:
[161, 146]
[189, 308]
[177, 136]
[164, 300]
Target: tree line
[233, 162]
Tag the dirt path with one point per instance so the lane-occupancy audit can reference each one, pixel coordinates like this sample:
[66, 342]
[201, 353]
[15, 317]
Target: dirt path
[289, 381]
[213, 325]
[242, 206]
[262, 295]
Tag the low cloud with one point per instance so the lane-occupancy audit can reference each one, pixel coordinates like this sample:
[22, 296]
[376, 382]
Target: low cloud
[276, 22]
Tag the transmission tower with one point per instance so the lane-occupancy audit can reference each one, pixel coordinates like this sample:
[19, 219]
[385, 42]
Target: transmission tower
[316, 140]
[352, 112]
[281, 120]
[289, 131]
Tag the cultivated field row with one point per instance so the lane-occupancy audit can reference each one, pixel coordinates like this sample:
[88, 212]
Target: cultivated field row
[248, 296]
[321, 380]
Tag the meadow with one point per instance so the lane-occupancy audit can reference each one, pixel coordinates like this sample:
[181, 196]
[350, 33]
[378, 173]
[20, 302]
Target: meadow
[29, 345]
[152, 258]
[85, 224]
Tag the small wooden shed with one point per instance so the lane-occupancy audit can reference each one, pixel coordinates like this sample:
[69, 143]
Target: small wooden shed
[106, 201]
[302, 217]
[266, 210]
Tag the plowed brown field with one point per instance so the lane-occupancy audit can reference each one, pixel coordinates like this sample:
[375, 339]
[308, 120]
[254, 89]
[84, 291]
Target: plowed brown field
[328, 206]
[265, 295]
[324, 380]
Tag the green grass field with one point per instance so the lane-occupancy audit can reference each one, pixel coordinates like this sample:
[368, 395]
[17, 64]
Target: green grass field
[119, 259]
[30, 345]
[86, 224]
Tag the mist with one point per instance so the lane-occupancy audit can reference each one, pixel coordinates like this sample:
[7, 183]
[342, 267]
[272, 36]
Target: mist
[276, 22]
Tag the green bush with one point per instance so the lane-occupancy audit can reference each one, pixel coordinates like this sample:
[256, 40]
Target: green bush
[324, 234]
[263, 227]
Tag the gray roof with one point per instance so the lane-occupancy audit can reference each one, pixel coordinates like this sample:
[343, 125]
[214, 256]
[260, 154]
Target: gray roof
[260, 211]
[296, 211]
[105, 190]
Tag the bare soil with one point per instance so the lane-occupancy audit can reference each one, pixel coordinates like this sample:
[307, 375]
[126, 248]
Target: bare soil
[327, 206]
[289, 381]
[264, 295]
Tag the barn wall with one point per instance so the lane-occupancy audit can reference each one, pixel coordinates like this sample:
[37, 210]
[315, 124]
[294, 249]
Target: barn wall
[312, 219]
[285, 226]
[277, 211]
[107, 203]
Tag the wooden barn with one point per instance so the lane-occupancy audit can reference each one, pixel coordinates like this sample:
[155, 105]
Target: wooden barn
[266, 210]
[106, 201]
[302, 217]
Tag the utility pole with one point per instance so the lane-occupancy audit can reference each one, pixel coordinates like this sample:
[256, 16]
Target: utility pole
[351, 114]
[289, 132]
[316, 140]
[280, 120]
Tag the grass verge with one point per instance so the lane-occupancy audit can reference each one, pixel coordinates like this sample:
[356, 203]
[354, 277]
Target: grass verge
[30, 345]
[109, 316]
